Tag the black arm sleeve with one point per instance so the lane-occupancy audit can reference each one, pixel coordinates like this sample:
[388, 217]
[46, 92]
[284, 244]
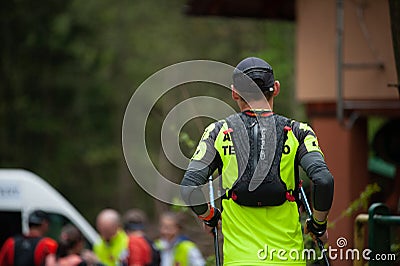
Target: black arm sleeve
[196, 175]
[199, 170]
[314, 165]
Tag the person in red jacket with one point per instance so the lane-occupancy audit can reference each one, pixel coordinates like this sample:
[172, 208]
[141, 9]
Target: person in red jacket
[140, 249]
[32, 248]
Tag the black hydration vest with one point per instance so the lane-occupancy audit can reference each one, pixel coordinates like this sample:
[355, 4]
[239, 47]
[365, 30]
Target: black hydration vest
[262, 139]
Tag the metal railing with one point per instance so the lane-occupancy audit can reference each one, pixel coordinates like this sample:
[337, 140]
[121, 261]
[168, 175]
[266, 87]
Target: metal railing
[379, 222]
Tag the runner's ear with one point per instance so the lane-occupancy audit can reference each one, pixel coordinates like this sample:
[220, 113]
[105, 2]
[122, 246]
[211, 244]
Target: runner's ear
[277, 88]
[235, 94]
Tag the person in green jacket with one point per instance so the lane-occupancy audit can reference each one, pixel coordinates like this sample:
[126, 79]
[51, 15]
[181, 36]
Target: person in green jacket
[112, 250]
[175, 248]
[257, 153]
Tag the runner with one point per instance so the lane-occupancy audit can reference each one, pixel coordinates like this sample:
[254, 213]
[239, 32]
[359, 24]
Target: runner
[32, 248]
[258, 153]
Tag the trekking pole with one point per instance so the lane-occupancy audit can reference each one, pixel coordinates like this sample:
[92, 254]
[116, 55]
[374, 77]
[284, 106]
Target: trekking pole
[309, 214]
[215, 229]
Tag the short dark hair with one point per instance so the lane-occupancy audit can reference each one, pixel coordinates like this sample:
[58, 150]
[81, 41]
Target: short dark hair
[70, 236]
[134, 219]
[250, 96]
[37, 217]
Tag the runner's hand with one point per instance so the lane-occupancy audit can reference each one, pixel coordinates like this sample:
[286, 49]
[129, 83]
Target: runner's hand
[213, 217]
[213, 221]
[316, 230]
[210, 230]
[323, 238]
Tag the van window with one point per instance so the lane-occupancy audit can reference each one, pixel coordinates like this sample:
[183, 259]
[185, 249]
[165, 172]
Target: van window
[57, 221]
[10, 224]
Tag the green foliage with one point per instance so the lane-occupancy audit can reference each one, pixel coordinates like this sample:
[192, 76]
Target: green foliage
[67, 72]
[374, 124]
[210, 260]
[185, 138]
[361, 202]
[178, 206]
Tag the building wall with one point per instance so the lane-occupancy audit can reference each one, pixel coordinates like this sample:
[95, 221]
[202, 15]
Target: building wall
[367, 41]
[345, 152]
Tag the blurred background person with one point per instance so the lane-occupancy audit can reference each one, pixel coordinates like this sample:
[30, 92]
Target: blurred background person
[112, 250]
[141, 250]
[32, 248]
[175, 248]
[71, 250]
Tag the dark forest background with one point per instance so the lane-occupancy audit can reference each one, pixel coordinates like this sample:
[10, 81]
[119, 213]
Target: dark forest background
[69, 68]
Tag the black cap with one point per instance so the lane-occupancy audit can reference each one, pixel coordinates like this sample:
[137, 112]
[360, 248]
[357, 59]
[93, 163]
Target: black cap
[38, 217]
[258, 71]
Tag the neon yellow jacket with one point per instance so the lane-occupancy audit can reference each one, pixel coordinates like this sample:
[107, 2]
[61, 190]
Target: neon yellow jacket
[115, 252]
[184, 253]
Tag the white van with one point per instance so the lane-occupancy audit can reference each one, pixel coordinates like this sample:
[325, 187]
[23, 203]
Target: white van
[22, 192]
